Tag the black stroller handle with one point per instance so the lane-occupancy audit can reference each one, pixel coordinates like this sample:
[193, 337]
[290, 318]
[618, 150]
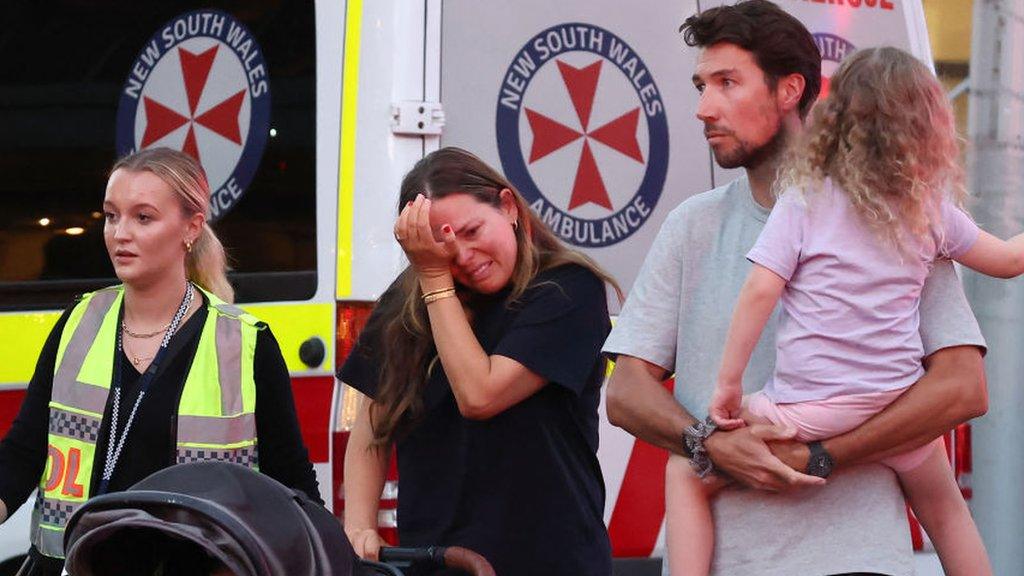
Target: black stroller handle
[380, 568]
[212, 511]
[433, 555]
[439, 556]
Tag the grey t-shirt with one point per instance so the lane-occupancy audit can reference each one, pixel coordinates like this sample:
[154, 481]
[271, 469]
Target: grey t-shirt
[677, 315]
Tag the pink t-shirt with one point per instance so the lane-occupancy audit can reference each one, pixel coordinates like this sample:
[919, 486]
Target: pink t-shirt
[849, 322]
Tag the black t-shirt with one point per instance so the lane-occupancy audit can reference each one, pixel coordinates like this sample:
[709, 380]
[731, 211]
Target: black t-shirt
[150, 445]
[523, 488]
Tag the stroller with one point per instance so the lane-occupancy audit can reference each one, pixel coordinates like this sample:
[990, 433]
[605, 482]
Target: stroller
[220, 519]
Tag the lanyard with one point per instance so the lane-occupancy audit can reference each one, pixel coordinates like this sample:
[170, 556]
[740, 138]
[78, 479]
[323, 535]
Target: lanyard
[116, 444]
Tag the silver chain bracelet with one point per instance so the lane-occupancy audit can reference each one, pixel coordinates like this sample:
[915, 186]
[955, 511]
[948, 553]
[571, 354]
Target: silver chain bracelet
[693, 440]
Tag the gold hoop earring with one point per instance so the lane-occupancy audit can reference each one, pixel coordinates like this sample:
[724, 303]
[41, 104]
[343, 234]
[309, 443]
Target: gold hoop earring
[515, 224]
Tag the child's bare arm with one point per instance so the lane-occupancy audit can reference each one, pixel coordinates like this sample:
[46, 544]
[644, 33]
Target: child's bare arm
[995, 257]
[757, 300]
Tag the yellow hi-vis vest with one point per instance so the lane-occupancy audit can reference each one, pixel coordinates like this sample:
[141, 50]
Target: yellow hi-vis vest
[216, 413]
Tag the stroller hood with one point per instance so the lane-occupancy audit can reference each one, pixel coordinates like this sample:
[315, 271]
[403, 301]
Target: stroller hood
[207, 517]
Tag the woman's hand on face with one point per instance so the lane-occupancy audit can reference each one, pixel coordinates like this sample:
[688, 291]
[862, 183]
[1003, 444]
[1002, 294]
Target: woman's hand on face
[366, 542]
[430, 258]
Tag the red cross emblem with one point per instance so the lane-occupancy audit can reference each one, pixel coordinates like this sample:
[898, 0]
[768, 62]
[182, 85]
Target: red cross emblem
[550, 135]
[222, 118]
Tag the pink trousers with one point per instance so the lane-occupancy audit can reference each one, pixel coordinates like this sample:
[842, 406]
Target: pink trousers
[820, 419]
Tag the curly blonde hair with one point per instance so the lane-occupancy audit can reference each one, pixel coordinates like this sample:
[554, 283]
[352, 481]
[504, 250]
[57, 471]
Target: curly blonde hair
[886, 135]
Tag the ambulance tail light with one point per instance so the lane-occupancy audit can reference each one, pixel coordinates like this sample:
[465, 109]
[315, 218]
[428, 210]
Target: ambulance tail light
[351, 317]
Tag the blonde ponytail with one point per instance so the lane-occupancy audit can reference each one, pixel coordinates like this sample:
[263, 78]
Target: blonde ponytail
[206, 264]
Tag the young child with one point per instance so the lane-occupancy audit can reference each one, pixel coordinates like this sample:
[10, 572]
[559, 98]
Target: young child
[872, 196]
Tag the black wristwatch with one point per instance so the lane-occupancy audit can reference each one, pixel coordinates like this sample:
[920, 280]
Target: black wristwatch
[820, 463]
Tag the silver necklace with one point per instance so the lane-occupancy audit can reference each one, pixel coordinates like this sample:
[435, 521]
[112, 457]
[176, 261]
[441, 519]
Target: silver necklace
[116, 444]
[124, 327]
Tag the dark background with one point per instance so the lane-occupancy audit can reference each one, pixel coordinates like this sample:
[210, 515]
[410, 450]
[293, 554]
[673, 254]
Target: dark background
[62, 67]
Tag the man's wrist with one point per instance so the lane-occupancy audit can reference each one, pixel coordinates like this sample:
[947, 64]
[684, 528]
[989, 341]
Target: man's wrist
[693, 445]
[684, 450]
[838, 449]
[820, 463]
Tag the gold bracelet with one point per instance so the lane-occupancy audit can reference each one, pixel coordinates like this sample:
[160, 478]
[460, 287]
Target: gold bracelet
[436, 295]
[433, 292]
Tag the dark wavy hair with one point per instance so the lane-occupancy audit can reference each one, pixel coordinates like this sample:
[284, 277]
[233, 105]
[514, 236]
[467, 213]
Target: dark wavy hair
[781, 45]
[400, 327]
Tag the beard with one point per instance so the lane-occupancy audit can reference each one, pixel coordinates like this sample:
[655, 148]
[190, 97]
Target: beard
[744, 155]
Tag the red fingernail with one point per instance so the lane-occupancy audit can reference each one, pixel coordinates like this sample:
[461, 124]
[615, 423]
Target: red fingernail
[409, 203]
[446, 229]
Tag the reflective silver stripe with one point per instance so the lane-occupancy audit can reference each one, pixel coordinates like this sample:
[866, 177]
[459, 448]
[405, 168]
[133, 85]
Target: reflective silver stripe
[67, 390]
[230, 309]
[229, 364]
[83, 396]
[50, 543]
[217, 431]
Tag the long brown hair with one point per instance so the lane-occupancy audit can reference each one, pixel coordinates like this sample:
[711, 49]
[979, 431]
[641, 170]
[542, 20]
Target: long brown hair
[886, 135]
[206, 263]
[401, 325]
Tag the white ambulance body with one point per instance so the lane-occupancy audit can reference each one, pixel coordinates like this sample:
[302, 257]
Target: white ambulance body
[587, 107]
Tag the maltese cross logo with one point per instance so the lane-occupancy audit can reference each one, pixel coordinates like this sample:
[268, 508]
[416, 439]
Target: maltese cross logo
[550, 135]
[221, 118]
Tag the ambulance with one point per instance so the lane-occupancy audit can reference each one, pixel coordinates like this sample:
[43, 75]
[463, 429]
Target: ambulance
[307, 114]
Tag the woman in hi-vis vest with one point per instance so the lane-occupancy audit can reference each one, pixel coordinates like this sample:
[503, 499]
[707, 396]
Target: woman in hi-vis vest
[156, 371]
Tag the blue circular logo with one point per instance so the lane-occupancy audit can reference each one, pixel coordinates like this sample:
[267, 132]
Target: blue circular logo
[200, 85]
[582, 133]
